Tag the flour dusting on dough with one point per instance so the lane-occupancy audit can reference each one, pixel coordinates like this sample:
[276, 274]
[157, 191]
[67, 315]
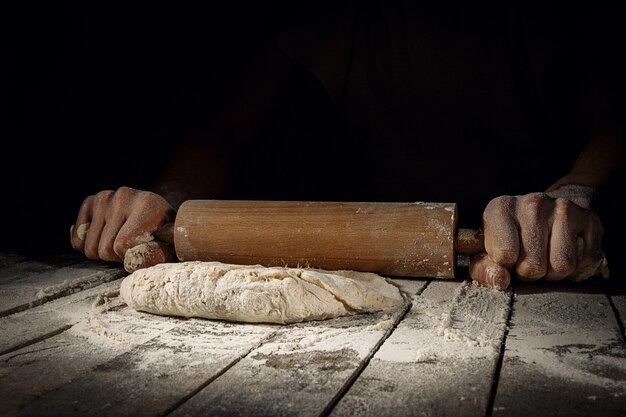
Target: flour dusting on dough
[256, 294]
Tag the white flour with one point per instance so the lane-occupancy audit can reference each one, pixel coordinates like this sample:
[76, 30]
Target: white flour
[477, 316]
[569, 335]
[559, 334]
[449, 321]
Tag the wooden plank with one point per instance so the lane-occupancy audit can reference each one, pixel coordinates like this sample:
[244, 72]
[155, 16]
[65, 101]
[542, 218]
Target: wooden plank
[616, 291]
[16, 271]
[564, 354]
[619, 301]
[35, 283]
[107, 331]
[154, 377]
[8, 258]
[35, 324]
[441, 358]
[300, 371]
[410, 287]
[25, 266]
[149, 379]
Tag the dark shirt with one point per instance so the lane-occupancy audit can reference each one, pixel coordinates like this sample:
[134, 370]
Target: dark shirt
[422, 101]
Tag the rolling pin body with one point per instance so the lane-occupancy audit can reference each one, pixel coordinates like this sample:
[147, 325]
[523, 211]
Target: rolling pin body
[395, 239]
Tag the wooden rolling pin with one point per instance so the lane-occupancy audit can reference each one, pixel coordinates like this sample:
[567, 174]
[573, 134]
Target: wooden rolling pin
[395, 239]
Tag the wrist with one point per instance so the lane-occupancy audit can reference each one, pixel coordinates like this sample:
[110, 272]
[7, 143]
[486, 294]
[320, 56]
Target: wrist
[581, 195]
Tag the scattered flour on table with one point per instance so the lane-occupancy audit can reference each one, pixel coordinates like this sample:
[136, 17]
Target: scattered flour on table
[477, 316]
[256, 294]
[113, 326]
[448, 322]
[569, 335]
[110, 325]
[358, 334]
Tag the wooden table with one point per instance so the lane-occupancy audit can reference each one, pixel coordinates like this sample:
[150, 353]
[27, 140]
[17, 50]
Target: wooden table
[70, 346]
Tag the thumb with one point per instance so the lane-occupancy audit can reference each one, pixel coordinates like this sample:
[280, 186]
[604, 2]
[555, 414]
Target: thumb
[486, 271]
[148, 254]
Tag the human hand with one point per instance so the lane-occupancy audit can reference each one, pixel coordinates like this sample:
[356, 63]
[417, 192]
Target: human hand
[119, 226]
[539, 236]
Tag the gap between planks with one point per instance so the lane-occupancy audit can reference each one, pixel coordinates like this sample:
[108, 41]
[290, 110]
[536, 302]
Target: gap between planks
[30, 284]
[342, 391]
[441, 358]
[498, 368]
[102, 387]
[562, 335]
[298, 370]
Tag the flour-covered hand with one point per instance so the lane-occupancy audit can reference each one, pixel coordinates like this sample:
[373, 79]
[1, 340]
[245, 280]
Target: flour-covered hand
[551, 236]
[109, 223]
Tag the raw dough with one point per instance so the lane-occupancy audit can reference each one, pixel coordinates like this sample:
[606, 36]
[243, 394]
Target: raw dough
[253, 293]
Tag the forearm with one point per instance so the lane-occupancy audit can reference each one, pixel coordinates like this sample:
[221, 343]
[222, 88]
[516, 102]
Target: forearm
[598, 162]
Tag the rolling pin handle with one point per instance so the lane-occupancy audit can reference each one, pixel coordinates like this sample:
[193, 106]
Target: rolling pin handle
[470, 241]
[165, 233]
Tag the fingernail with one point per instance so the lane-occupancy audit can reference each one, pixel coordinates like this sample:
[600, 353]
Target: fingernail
[82, 230]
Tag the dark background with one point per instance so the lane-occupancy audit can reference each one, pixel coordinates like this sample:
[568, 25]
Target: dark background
[96, 95]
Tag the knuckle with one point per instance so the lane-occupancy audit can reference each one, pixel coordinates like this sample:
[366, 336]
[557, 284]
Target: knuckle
[533, 204]
[564, 209]
[87, 201]
[102, 197]
[154, 203]
[499, 204]
[145, 199]
[126, 190]
[123, 194]
[505, 256]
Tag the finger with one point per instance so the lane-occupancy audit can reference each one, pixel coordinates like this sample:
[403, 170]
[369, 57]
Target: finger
[107, 239]
[532, 263]
[148, 254]
[92, 236]
[486, 271]
[116, 216]
[562, 246]
[82, 224]
[589, 252]
[501, 235]
[149, 215]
